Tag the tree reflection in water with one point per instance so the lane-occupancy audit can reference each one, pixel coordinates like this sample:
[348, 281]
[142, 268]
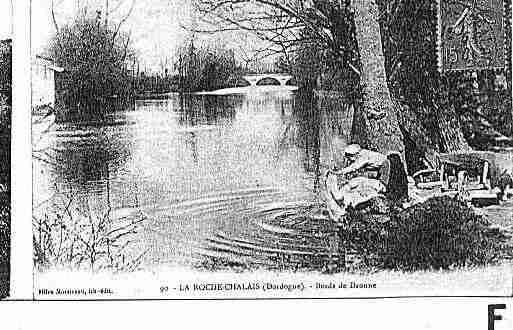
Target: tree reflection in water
[196, 110]
[83, 156]
[311, 126]
[96, 159]
[308, 120]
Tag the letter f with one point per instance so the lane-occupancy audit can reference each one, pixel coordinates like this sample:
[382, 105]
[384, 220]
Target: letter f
[492, 317]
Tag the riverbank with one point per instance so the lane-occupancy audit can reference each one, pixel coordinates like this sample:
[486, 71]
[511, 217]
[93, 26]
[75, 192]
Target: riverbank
[156, 96]
[249, 89]
[224, 91]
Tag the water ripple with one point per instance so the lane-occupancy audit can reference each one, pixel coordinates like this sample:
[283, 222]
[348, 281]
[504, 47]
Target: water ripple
[246, 229]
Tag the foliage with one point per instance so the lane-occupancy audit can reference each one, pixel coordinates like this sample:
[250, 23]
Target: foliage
[410, 38]
[156, 83]
[206, 67]
[409, 41]
[96, 60]
[319, 67]
[440, 233]
[74, 236]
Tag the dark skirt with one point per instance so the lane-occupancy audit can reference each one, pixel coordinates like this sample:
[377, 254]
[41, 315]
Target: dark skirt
[394, 177]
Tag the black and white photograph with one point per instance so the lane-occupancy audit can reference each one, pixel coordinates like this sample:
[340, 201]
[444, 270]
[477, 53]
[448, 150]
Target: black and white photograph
[204, 149]
[5, 144]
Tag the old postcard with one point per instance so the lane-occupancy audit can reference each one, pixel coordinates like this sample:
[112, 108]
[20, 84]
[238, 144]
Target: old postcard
[271, 149]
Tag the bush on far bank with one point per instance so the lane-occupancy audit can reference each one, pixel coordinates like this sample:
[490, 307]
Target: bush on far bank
[97, 60]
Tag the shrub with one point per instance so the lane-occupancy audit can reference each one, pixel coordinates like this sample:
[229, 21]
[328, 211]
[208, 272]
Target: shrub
[72, 235]
[205, 67]
[96, 78]
[440, 233]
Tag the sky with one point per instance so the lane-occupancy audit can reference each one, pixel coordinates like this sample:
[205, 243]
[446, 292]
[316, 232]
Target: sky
[5, 19]
[155, 26]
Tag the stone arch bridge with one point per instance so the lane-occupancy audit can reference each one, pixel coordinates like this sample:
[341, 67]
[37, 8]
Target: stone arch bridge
[254, 79]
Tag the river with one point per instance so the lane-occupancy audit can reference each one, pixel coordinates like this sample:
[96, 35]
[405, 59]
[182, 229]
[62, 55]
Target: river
[223, 181]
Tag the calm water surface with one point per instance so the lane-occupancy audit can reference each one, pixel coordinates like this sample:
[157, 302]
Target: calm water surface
[225, 180]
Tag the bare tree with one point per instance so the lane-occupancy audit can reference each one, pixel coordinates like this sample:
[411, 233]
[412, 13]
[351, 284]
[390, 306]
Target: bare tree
[110, 7]
[279, 22]
[276, 22]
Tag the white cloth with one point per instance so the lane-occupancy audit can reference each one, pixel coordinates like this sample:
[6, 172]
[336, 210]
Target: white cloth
[356, 191]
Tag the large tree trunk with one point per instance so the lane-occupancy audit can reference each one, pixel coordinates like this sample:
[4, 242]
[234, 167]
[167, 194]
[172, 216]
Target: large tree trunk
[371, 128]
[420, 151]
[450, 133]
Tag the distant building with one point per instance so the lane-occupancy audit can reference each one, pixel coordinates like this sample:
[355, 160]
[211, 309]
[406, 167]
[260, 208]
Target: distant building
[43, 81]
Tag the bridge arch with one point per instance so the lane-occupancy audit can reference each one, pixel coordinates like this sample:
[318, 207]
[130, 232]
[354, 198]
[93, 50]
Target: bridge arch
[282, 79]
[268, 80]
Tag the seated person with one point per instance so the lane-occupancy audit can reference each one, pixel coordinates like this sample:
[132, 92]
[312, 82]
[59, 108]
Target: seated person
[358, 190]
[366, 161]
